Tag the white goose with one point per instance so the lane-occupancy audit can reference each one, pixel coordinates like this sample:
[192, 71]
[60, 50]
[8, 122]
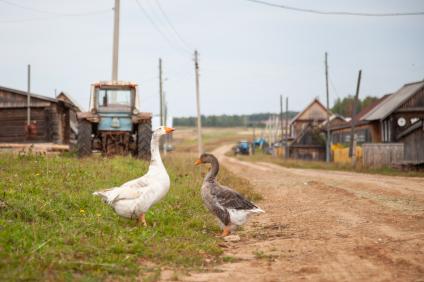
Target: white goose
[134, 198]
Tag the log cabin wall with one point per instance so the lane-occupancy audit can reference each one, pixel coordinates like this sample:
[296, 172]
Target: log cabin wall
[13, 122]
[51, 117]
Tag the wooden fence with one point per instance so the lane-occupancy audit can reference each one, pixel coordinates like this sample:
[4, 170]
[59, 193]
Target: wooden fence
[341, 154]
[382, 154]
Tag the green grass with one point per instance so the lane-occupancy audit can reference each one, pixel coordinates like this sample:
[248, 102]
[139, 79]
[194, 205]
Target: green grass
[294, 163]
[53, 228]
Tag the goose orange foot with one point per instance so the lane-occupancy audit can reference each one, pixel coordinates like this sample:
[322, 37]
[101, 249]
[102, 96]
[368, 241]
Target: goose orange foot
[142, 219]
[226, 231]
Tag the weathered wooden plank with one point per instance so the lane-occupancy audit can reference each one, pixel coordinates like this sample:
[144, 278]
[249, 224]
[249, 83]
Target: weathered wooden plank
[382, 154]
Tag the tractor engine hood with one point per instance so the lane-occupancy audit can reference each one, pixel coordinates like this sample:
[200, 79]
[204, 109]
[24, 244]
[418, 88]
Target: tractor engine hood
[115, 122]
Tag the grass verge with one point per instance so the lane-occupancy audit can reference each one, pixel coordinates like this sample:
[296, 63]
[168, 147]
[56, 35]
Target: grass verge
[52, 228]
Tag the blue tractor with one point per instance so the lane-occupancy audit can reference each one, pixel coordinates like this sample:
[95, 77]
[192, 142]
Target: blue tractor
[114, 125]
[243, 147]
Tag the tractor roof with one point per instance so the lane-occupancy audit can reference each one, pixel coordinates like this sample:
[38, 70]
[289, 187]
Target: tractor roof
[114, 83]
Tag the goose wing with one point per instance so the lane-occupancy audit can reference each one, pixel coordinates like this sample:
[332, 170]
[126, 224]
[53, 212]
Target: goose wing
[128, 193]
[139, 182]
[231, 199]
[129, 190]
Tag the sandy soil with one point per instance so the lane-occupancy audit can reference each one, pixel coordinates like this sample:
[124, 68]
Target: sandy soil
[326, 226]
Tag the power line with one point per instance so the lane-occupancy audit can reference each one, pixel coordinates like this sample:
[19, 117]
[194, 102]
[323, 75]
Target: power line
[149, 18]
[47, 18]
[336, 13]
[89, 13]
[161, 21]
[333, 87]
[184, 42]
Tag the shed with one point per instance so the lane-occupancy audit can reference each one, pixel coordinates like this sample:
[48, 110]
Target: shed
[314, 113]
[309, 144]
[306, 131]
[49, 117]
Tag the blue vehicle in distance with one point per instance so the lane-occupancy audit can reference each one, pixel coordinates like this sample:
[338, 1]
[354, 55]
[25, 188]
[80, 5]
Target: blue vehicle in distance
[243, 148]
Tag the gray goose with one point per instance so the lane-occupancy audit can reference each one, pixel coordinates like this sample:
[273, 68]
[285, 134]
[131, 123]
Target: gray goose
[229, 206]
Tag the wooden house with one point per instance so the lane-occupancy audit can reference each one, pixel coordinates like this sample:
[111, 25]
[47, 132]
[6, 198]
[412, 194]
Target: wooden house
[49, 117]
[315, 113]
[307, 132]
[400, 117]
[365, 131]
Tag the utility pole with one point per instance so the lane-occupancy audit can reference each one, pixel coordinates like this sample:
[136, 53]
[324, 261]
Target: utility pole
[166, 136]
[199, 120]
[253, 139]
[29, 96]
[115, 42]
[327, 145]
[352, 148]
[281, 118]
[160, 92]
[286, 153]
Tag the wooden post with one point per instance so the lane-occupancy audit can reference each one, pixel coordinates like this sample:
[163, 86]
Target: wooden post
[352, 151]
[199, 117]
[160, 92]
[166, 136]
[115, 42]
[29, 97]
[281, 119]
[253, 138]
[327, 143]
[286, 153]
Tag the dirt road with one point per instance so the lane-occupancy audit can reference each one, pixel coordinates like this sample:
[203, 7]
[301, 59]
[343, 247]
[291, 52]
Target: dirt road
[326, 226]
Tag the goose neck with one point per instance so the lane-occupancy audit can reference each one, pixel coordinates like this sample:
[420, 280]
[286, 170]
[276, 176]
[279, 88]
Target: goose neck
[155, 152]
[213, 172]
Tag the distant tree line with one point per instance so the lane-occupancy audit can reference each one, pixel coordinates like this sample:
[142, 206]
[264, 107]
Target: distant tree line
[344, 106]
[228, 120]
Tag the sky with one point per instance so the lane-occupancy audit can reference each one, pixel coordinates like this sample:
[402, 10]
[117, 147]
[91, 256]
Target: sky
[249, 54]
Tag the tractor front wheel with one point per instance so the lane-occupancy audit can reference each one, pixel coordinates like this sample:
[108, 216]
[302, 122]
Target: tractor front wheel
[84, 138]
[144, 137]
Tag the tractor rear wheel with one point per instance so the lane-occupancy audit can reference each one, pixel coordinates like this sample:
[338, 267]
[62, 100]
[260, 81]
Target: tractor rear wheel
[84, 138]
[144, 137]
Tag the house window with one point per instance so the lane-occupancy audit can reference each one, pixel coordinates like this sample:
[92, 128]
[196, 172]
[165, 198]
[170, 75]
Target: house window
[347, 138]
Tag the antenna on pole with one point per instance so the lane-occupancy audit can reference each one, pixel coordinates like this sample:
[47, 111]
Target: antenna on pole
[115, 41]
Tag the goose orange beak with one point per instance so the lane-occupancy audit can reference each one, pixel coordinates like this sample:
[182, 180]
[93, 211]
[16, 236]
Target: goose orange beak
[198, 162]
[169, 129]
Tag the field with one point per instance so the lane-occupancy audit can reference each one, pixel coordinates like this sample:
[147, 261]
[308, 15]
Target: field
[322, 222]
[186, 139]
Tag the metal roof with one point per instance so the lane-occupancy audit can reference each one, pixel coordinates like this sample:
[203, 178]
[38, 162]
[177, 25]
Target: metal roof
[24, 93]
[391, 103]
[71, 99]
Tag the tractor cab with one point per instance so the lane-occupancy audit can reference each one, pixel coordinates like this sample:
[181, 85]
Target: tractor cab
[115, 103]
